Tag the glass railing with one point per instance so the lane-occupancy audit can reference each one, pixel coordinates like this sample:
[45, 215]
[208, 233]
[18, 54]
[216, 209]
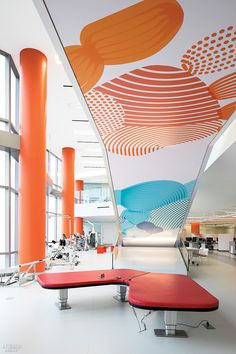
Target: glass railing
[184, 252]
[95, 196]
[87, 196]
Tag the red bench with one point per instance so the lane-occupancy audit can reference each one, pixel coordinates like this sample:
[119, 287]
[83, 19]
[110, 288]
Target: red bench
[87, 278]
[153, 291]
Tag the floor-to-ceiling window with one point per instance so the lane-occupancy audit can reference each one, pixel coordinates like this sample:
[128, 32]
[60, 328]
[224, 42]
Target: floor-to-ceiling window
[53, 206]
[9, 122]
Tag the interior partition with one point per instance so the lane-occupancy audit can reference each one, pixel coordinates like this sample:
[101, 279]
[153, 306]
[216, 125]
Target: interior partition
[159, 80]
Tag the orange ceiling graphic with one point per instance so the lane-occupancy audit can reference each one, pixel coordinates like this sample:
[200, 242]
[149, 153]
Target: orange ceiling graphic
[159, 79]
[126, 36]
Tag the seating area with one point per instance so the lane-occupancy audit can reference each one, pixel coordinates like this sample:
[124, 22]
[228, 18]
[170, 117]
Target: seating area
[151, 291]
[117, 176]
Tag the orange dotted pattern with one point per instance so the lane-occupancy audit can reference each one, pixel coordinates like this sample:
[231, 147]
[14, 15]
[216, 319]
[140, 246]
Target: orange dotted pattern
[108, 114]
[212, 54]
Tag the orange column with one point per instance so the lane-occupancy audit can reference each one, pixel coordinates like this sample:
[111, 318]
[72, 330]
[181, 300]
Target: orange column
[195, 228]
[68, 190]
[32, 166]
[79, 222]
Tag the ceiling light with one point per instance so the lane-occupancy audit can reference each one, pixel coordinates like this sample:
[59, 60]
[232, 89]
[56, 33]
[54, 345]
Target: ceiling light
[80, 120]
[92, 167]
[92, 156]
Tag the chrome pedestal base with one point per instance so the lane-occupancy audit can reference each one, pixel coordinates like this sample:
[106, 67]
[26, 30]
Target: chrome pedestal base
[170, 319]
[178, 333]
[63, 297]
[121, 293]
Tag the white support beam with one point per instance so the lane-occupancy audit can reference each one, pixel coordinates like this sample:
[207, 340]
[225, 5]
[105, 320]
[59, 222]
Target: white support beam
[9, 140]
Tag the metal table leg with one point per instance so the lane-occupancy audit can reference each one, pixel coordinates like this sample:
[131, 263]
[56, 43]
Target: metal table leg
[170, 319]
[121, 293]
[63, 297]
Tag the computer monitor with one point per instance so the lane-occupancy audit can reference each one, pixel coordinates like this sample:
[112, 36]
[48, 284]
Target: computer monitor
[200, 239]
[195, 239]
[189, 239]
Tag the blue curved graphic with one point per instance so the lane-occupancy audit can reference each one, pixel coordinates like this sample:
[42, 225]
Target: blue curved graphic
[170, 216]
[149, 227]
[150, 206]
[135, 217]
[150, 195]
[190, 186]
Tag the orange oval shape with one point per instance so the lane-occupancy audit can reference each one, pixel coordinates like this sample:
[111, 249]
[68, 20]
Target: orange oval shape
[132, 34]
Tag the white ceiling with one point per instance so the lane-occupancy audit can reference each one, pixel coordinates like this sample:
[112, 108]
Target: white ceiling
[216, 195]
[21, 27]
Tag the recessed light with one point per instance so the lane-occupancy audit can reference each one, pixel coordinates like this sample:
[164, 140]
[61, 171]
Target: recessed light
[80, 120]
[94, 167]
[93, 156]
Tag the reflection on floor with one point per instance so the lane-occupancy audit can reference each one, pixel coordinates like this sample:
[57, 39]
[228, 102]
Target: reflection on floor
[224, 257]
[151, 259]
[98, 324]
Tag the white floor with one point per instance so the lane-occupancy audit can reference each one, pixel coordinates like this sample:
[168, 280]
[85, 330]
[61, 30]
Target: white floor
[30, 323]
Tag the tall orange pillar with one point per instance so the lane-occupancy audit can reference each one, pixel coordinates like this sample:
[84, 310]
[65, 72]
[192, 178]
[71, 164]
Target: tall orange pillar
[32, 166]
[68, 190]
[195, 228]
[79, 222]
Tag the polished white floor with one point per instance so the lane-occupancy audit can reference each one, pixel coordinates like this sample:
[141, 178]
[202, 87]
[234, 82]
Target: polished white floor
[98, 324]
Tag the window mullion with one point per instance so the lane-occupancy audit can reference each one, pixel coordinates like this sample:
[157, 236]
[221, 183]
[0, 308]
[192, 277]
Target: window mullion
[9, 207]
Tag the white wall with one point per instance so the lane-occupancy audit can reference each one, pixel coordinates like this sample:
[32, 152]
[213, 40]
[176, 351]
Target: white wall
[108, 232]
[216, 190]
[223, 143]
[87, 210]
[223, 241]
